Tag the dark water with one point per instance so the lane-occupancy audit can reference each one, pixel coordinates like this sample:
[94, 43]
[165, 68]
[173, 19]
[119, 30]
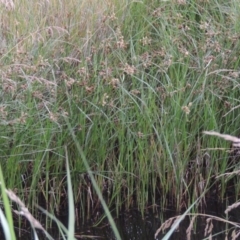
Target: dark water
[132, 226]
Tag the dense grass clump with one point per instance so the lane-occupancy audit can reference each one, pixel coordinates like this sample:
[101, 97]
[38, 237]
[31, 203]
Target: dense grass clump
[127, 85]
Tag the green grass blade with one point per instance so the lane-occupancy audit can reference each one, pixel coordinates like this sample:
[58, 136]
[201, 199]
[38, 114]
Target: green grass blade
[62, 229]
[7, 208]
[98, 191]
[71, 215]
[5, 225]
[176, 224]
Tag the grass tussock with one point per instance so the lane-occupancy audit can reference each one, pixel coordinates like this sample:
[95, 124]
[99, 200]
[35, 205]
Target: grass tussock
[134, 84]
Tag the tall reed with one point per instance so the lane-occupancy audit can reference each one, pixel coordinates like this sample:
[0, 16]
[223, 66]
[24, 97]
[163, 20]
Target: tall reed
[137, 81]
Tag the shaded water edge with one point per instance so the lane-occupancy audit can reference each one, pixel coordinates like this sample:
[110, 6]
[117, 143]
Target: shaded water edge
[132, 226]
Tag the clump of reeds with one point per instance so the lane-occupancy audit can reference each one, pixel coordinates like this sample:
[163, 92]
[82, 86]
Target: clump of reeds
[136, 81]
[209, 229]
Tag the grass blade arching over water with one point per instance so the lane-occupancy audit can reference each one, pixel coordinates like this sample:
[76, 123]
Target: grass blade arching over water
[97, 189]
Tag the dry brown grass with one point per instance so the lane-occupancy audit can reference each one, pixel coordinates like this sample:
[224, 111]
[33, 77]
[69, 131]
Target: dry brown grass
[41, 22]
[209, 228]
[234, 140]
[8, 4]
[24, 210]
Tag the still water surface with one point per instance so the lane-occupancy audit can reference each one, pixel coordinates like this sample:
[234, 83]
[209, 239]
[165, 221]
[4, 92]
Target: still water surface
[132, 226]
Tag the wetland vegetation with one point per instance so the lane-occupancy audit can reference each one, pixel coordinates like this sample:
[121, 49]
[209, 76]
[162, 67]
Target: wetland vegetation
[103, 105]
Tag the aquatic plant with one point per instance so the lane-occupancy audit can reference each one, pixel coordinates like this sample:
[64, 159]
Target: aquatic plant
[133, 84]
